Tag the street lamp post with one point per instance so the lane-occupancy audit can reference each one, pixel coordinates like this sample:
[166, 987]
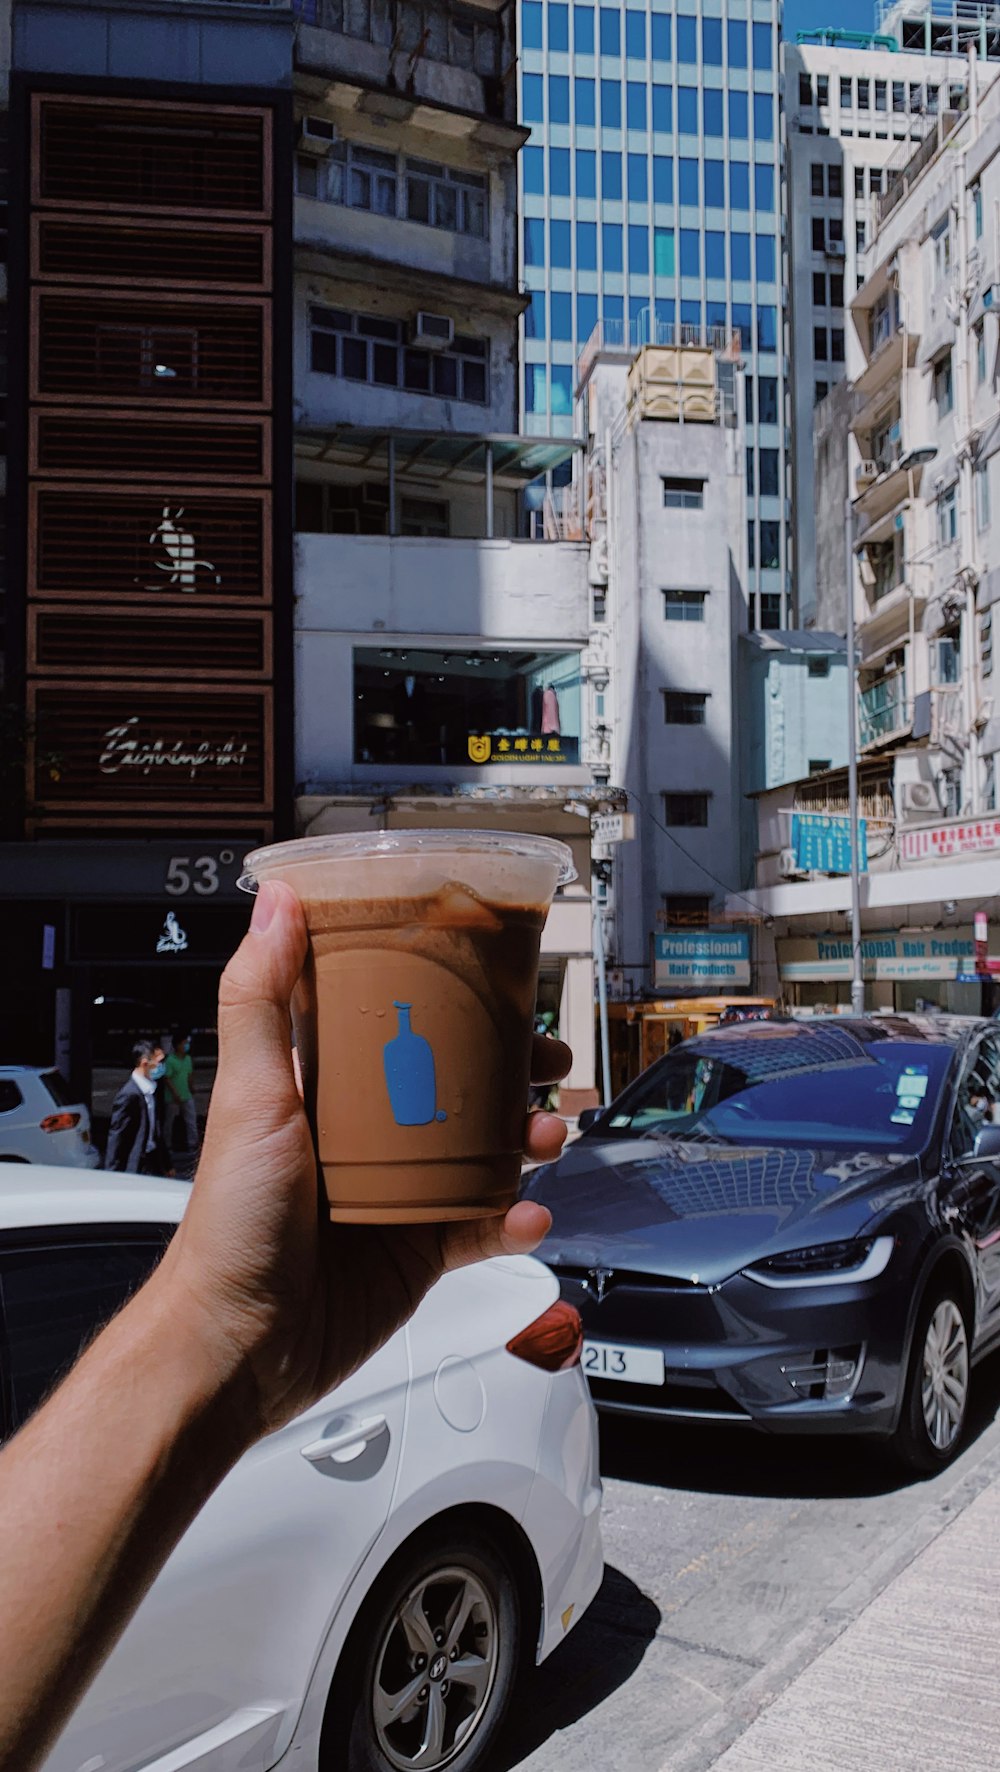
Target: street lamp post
[857, 965]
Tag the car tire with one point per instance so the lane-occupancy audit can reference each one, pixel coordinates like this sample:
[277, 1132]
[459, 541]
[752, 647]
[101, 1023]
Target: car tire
[936, 1399]
[420, 1598]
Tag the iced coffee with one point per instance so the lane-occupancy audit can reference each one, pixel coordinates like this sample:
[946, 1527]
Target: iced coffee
[413, 1017]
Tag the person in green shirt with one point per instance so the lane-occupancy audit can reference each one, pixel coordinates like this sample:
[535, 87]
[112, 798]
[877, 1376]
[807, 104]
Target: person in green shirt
[180, 1100]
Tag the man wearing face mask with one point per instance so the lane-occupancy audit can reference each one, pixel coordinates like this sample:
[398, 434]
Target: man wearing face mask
[135, 1139]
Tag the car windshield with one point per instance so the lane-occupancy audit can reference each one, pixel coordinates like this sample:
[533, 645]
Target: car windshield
[785, 1084]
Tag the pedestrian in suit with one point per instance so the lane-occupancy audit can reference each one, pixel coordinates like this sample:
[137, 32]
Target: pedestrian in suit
[135, 1139]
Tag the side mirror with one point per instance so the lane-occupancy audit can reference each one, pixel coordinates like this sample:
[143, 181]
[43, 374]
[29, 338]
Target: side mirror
[588, 1116]
[987, 1146]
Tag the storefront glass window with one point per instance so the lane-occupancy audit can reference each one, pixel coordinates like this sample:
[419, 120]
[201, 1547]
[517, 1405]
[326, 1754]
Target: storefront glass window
[446, 708]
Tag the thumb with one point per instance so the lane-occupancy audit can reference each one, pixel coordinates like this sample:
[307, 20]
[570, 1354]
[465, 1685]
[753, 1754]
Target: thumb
[255, 992]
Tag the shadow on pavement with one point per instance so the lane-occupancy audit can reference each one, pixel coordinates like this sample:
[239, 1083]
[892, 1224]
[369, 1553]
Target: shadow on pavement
[723, 1460]
[599, 1655]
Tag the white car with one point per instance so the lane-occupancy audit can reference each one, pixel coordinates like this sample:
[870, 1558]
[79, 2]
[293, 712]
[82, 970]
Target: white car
[361, 1592]
[39, 1120]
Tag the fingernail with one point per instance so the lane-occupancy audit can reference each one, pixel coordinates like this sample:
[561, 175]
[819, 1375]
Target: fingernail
[264, 906]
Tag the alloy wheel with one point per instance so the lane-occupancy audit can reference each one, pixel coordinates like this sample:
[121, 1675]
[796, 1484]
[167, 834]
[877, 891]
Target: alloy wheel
[435, 1670]
[945, 1384]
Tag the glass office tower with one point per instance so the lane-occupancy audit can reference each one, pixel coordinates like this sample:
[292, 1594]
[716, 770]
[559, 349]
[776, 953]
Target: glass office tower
[651, 201]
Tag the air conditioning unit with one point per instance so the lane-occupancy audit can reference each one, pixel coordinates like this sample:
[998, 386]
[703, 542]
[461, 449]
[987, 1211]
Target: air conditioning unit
[836, 249]
[316, 135]
[865, 473]
[434, 331]
[919, 800]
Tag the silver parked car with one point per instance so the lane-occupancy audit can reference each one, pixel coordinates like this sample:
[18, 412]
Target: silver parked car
[39, 1120]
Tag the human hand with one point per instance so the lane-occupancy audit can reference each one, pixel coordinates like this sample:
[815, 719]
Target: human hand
[281, 1303]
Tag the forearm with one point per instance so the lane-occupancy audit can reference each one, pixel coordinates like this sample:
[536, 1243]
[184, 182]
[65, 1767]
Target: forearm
[94, 1494]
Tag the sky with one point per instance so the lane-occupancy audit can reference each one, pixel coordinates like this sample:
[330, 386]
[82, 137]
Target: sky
[811, 15]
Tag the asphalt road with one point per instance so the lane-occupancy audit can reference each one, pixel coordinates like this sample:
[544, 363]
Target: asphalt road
[732, 1560]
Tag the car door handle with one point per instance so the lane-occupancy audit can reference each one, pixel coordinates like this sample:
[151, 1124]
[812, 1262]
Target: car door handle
[358, 1434]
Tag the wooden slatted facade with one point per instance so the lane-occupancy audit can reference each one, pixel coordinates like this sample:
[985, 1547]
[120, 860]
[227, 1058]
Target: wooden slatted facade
[150, 559]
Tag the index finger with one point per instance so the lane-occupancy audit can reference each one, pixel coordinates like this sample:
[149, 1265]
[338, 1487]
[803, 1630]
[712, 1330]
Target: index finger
[551, 1060]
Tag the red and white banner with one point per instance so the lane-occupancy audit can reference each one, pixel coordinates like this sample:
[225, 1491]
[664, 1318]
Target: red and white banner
[969, 836]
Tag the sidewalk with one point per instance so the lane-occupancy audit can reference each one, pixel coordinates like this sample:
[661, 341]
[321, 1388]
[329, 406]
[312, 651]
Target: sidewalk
[911, 1684]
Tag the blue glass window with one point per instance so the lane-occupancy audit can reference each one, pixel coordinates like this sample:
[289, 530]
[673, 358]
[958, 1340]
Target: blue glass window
[715, 185]
[687, 39]
[611, 245]
[767, 399]
[613, 309]
[767, 329]
[586, 246]
[561, 314]
[638, 181]
[663, 108]
[739, 257]
[763, 46]
[690, 252]
[611, 178]
[611, 104]
[583, 30]
[635, 95]
[562, 389]
[664, 264]
[558, 26]
[763, 116]
[534, 387]
[586, 316]
[687, 181]
[531, 25]
[638, 252]
[558, 98]
[532, 98]
[687, 110]
[638, 319]
[534, 319]
[533, 168]
[763, 187]
[691, 313]
[736, 43]
[712, 110]
[770, 545]
[611, 33]
[559, 172]
[560, 244]
[739, 184]
[662, 46]
[663, 179]
[583, 97]
[586, 172]
[534, 240]
[742, 317]
[711, 42]
[765, 258]
[739, 121]
[665, 312]
[715, 314]
[715, 255]
[635, 35]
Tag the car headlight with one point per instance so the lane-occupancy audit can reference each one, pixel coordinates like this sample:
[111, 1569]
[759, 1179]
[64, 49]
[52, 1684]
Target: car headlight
[825, 1264]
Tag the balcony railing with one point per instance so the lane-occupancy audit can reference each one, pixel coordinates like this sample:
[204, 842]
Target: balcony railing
[883, 710]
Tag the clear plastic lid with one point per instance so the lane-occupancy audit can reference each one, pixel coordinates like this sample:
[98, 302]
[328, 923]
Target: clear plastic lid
[369, 845]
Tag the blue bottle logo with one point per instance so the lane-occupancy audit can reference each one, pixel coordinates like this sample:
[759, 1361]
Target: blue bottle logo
[409, 1074]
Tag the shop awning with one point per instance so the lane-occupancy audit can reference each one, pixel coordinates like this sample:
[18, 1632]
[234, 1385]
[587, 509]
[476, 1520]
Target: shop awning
[437, 456]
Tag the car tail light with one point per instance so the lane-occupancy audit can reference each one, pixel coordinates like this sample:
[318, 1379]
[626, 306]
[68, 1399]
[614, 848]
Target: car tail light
[59, 1122]
[554, 1341]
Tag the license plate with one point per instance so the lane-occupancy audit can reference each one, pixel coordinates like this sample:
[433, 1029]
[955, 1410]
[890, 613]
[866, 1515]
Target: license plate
[631, 1365]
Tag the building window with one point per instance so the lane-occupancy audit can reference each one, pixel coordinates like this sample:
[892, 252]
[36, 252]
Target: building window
[684, 708]
[941, 237]
[836, 344]
[442, 198]
[820, 392]
[819, 289]
[768, 476]
[980, 332]
[819, 344]
[365, 348]
[770, 545]
[687, 910]
[818, 667]
[835, 181]
[684, 495]
[818, 232]
[836, 289]
[816, 185]
[805, 89]
[943, 388]
[361, 177]
[947, 517]
[864, 95]
[981, 481]
[859, 236]
[686, 811]
[684, 605]
[859, 181]
[818, 765]
[899, 96]
[846, 97]
[770, 609]
[423, 708]
[977, 210]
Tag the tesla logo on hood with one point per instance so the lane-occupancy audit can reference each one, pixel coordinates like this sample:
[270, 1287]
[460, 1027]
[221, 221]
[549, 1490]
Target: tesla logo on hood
[597, 1282]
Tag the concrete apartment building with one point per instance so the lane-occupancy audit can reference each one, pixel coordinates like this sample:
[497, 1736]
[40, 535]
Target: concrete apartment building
[925, 436]
[441, 651]
[650, 198]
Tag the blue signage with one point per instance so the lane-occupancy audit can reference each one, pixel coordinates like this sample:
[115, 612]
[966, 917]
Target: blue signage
[701, 960]
[821, 843]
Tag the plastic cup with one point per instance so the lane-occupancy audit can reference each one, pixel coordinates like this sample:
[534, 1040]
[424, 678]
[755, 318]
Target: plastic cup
[413, 1018]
